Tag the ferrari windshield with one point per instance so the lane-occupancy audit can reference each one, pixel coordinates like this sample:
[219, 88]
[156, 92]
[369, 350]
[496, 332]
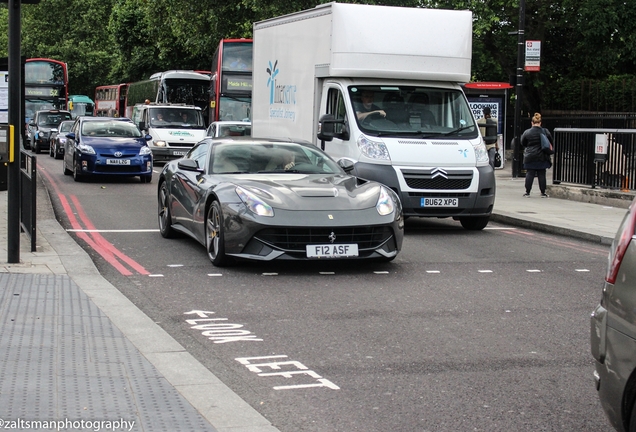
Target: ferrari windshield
[261, 158]
[412, 111]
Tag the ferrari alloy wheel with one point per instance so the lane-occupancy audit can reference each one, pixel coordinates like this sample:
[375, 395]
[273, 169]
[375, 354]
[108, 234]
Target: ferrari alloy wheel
[165, 219]
[214, 236]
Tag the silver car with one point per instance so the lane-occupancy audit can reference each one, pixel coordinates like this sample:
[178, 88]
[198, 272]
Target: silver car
[613, 330]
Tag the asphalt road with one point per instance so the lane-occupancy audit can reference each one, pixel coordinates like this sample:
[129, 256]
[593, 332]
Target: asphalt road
[480, 331]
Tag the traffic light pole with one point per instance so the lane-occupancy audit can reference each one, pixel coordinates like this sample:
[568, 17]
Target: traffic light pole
[13, 180]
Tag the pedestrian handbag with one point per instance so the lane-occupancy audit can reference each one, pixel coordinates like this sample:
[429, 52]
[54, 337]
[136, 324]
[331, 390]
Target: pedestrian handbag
[497, 160]
[546, 145]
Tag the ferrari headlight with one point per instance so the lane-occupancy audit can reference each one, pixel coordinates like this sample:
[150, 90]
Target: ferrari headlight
[373, 149]
[255, 204]
[86, 149]
[145, 150]
[385, 205]
[160, 143]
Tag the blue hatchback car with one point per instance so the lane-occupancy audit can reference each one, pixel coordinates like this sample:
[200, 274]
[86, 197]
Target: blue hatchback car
[107, 146]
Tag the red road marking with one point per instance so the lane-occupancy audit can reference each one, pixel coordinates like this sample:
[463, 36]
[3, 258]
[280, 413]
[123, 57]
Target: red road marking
[95, 240]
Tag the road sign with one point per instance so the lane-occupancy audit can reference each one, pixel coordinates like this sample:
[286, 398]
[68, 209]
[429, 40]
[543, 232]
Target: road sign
[533, 56]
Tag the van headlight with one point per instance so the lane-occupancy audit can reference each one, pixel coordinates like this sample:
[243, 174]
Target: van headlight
[481, 154]
[373, 149]
[160, 144]
[385, 205]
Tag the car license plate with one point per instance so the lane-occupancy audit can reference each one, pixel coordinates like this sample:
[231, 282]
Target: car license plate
[117, 161]
[332, 250]
[179, 152]
[439, 202]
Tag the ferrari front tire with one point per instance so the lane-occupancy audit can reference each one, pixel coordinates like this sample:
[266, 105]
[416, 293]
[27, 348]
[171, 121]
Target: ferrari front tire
[214, 236]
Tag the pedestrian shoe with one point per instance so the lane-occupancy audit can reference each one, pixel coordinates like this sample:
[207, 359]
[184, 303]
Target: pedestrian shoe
[544, 195]
[526, 195]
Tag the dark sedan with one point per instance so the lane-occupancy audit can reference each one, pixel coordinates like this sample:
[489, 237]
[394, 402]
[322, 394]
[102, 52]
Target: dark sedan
[107, 146]
[276, 200]
[58, 139]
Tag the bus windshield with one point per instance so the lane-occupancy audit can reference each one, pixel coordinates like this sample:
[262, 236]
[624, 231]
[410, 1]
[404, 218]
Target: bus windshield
[187, 92]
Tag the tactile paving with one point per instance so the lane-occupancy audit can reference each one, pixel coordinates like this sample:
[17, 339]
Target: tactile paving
[62, 359]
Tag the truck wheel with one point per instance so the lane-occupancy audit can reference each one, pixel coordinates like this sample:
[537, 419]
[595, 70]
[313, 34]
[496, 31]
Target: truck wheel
[474, 223]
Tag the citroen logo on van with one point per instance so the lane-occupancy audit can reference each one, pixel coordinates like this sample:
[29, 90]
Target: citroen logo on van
[438, 172]
[118, 154]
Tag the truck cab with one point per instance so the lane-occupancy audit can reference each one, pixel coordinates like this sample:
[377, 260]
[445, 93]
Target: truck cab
[174, 128]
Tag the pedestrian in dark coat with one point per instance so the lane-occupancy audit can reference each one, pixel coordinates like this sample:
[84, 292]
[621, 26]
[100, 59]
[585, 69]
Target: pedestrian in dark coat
[535, 160]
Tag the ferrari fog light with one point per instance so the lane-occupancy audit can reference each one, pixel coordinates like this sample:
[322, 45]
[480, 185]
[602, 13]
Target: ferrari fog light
[255, 204]
[385, 205]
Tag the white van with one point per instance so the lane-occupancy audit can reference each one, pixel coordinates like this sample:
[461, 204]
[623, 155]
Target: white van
[175, 128]
[390, 102]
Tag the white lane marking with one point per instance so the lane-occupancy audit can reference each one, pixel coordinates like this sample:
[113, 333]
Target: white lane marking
[433, 271]
[484, 271]
[533, 271]
[175, 265]
[581, 270]
[327, 273]
[215, 274]
[155, 275]
[112, 231]
[270, 274]
[381, 272]
[501, 228]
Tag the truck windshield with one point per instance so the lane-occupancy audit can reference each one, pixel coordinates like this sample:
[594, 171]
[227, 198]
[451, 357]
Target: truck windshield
[412, 111]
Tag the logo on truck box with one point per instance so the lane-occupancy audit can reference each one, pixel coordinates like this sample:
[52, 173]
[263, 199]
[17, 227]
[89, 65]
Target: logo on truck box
[280, 94]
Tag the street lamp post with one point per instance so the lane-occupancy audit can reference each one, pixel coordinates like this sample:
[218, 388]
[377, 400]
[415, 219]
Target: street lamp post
[517, 158]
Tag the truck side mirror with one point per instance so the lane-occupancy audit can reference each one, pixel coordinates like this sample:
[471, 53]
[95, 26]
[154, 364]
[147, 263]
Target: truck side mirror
[142, 125]
[327, 129]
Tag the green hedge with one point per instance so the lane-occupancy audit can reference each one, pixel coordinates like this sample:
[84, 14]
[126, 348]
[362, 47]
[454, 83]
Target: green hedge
[613, 94]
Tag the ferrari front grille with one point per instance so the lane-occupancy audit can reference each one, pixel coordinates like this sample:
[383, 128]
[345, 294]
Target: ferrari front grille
[296, 239]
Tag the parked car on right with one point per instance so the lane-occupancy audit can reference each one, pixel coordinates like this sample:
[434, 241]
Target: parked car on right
[613, 329]
[228, 128]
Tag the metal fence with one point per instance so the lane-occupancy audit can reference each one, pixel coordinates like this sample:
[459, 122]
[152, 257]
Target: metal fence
[28, 190]
[576, 161]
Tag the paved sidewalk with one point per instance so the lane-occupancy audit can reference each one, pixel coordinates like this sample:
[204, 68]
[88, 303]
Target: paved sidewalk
[73, 348]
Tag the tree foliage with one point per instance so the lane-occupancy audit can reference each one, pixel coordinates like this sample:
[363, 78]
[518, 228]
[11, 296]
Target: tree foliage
[112, 41]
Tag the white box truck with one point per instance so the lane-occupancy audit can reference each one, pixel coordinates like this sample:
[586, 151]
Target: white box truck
[378, 87]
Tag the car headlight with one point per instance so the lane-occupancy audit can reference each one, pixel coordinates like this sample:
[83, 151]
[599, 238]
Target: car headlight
[373, 149]
[254, 203]
[385, 205]
[160, 143]
[145, 150]
[481, 154]
[84, 148]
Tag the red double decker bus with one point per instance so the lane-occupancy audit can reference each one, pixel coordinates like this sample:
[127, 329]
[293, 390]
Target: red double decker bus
[231, 81]
[110, 100]
[45, 85]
